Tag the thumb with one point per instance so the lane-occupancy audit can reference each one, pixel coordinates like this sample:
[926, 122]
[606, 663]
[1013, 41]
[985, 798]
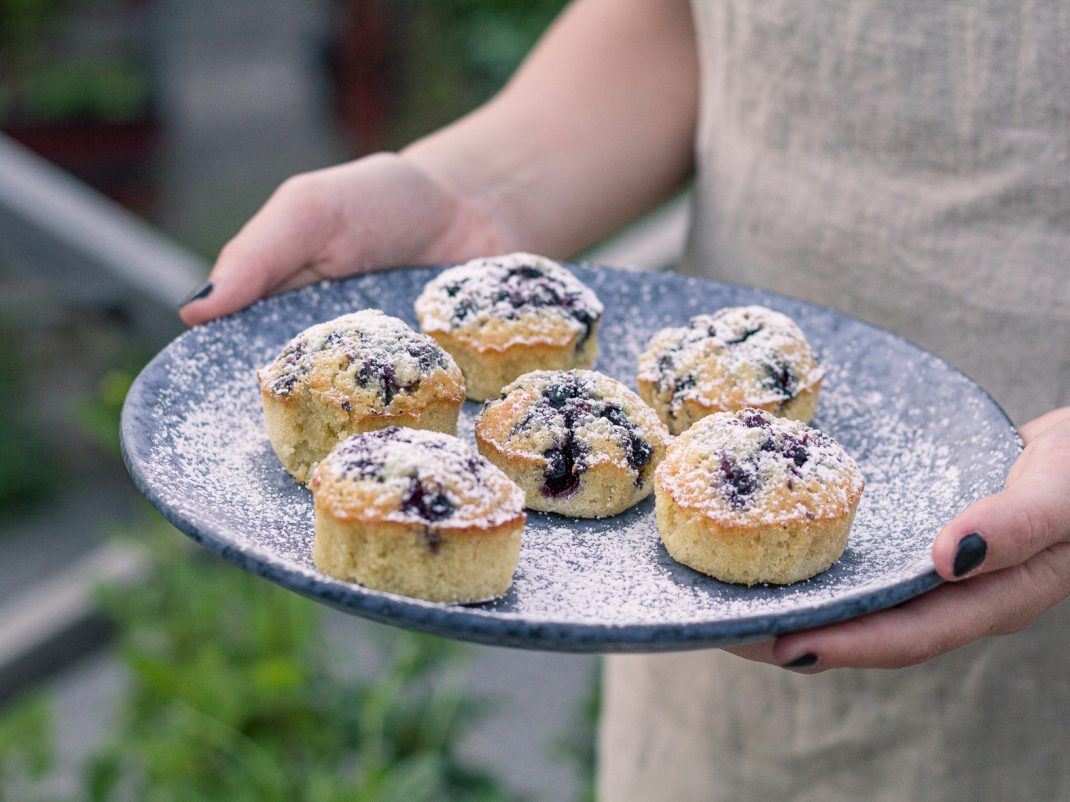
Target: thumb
[282, 245]
[1004, 529]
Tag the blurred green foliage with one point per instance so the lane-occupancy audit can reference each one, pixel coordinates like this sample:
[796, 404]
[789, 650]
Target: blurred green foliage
[98, 413]
[106, 90]
[23, 22]
[234, 694]
[29, 471]
[25, 748]
[41, 83]
[233, 697]
[579, 747]
[458, 53]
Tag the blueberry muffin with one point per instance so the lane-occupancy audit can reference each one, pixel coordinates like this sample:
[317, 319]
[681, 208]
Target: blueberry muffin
[502, 317]
[416, 513]
[577, 442]
[746, 356]
[359, 372]
[748, 497]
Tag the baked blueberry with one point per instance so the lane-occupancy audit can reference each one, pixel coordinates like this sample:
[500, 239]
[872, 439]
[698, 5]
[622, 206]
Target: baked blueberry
[564, 467]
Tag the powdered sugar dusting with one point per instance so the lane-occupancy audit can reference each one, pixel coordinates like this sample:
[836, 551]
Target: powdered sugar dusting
[752, 468]
[368, 348]
[737, 356]
[927, 440]
[414, 476]
[511, 299]
[579, 417]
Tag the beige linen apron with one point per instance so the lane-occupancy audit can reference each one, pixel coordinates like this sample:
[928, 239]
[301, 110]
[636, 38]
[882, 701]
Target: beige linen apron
[908, 163]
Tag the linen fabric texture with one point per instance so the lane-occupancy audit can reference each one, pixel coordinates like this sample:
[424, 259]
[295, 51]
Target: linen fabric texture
[907, 163]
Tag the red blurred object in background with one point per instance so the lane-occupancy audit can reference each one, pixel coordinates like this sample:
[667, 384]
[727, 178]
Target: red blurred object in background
[117, 159]
[76, 87]
[362, 60]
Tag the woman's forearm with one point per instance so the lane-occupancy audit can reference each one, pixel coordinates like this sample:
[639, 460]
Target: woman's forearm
[596, 127]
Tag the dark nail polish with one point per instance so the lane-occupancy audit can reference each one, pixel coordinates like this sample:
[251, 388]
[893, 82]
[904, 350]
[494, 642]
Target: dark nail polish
[198, 293]
[969, 554]
[803, 661]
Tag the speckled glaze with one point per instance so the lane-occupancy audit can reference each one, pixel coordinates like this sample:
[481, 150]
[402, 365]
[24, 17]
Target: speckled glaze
[928, 440]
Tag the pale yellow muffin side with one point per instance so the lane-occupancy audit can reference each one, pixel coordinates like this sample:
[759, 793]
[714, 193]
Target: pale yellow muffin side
[416, 513]
[303, 430]
[772, 553]
[359, 372]
[503, 316]
[449, 566]
[682, 415]
[488, 369]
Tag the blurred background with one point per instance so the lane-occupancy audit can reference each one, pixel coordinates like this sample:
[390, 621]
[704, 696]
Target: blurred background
[136, 136]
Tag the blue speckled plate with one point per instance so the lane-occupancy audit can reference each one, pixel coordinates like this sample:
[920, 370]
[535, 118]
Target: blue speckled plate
[929, 440]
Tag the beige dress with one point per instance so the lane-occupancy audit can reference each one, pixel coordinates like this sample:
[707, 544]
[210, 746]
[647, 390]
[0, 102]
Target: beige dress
[908, 163]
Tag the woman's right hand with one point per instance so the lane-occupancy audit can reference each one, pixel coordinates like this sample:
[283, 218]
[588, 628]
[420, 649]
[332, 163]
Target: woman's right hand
[380, 211]
[595, 128]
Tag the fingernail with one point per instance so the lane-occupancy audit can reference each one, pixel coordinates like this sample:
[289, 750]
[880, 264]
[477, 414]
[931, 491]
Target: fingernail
[969, 553]
[805, 660]
[198, 293]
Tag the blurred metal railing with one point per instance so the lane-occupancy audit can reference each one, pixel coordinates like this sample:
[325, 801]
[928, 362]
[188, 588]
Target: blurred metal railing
[92, 251]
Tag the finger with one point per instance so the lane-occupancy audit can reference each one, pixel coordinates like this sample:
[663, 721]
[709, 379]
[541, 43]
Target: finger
[301, 278]
[946, 618]
[761, 652]
[1008, 528]
[285, 238]
[1045, 422]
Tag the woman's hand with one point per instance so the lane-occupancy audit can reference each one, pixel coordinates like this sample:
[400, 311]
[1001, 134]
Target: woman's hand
[595, 128]
[379, 211]
[1006, 559]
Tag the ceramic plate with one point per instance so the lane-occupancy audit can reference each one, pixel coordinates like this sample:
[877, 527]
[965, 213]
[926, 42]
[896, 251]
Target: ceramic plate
[928, 439]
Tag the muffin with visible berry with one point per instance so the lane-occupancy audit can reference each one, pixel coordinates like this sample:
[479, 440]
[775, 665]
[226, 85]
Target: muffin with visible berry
[577, 442]
[737, 357]
[504, 316]
[361, 371]
[417, 513]
[748, 497]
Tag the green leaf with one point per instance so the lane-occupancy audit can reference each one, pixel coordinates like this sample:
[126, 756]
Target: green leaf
[277, 674]
[26, 735]
[234, 696]
[414, 779]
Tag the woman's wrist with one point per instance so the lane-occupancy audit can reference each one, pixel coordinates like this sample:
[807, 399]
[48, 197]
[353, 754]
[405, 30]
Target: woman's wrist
[479, 182]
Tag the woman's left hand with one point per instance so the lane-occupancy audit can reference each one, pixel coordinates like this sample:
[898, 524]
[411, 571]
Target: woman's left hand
[1006, 559]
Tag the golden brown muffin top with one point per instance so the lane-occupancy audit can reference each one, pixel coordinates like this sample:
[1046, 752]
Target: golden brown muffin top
[497, 302]
[367, 362]
[738, 356]
[414, 476]
[572, 420]
[751, 468]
